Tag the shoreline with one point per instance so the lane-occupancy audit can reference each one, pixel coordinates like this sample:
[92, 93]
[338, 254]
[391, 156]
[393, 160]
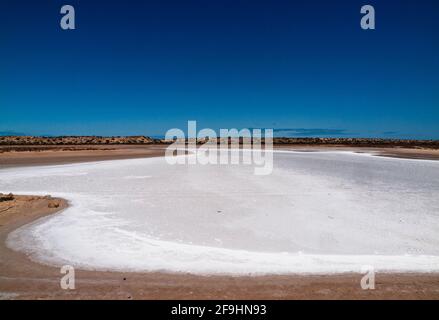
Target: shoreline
[22, 278]
[49, 155]
[56, 155]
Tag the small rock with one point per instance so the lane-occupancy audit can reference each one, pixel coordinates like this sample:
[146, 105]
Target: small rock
[6, 197]
[53, 204]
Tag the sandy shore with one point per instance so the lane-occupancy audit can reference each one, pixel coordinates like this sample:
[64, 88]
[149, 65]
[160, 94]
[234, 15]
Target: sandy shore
[21, 278]
[48, 155]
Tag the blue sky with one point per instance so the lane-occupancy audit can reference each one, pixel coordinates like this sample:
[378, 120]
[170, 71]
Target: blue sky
[304, 68]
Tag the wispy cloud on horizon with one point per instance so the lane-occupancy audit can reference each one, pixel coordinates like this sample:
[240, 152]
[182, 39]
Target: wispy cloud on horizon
[307, 132]
[390, 133]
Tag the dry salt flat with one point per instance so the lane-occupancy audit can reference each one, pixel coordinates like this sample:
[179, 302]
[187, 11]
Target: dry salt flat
[318, 212]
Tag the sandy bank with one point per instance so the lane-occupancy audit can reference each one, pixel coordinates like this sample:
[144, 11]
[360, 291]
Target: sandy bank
[50, 155]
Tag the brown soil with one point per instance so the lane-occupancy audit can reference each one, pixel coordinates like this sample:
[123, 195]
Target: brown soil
[49, 155]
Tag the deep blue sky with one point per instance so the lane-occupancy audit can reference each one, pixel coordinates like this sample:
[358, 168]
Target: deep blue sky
[143, 67]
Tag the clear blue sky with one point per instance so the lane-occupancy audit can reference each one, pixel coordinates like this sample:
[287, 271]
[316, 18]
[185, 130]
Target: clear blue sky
[143, 67]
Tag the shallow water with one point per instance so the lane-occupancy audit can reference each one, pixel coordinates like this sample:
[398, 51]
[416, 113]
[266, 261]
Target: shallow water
[317, 212]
